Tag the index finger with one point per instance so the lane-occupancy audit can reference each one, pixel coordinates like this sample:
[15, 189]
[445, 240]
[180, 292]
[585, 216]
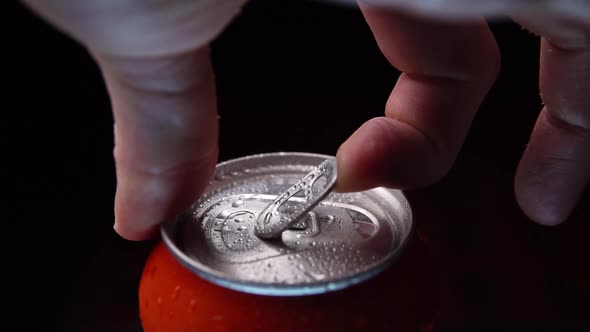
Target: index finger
[448, 69]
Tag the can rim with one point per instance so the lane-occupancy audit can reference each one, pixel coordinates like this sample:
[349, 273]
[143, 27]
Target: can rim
[168, 232]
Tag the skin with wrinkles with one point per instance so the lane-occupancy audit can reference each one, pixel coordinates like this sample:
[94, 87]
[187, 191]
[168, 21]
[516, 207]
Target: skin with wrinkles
[155, 61]
[154, 57]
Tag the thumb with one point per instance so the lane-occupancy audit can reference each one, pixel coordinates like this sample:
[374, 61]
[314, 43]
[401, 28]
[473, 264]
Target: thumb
[157, 69]
[165, 135]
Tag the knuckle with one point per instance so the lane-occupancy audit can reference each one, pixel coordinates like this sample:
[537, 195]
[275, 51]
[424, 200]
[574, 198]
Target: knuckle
[577, 123]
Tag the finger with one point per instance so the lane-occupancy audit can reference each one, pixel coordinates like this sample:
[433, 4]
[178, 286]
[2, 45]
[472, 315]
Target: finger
[161, 86]
[139, 27]
[447, 71]
[460, 9]
[555, 167]
[165, 135]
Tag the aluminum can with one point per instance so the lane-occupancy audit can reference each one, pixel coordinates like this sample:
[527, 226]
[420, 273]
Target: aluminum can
[337, 240]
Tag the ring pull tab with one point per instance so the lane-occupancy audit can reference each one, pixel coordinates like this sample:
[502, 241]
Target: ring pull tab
[273, 220]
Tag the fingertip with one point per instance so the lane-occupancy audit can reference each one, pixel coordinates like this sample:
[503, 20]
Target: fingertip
[553, 172]
[542, 196]
[357, 157]
[137, 211]
[144, 200]
[132, 234]
[350, 177]
[539, 207]
[390, 153]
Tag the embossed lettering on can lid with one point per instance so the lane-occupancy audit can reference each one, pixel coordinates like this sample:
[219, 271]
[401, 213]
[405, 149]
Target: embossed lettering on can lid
[345, 239]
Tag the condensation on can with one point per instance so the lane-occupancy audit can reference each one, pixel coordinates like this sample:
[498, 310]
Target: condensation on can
[345, 239]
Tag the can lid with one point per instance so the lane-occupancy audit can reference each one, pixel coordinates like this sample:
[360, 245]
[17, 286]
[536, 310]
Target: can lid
[320, 246]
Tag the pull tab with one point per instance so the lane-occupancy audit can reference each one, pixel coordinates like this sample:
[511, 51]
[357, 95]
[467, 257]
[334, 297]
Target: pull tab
[271, 222]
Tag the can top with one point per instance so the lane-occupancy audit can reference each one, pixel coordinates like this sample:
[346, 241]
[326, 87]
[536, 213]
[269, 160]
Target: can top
[343, 240]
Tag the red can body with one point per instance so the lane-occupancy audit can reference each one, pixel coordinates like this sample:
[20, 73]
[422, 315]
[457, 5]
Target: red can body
[404, 297]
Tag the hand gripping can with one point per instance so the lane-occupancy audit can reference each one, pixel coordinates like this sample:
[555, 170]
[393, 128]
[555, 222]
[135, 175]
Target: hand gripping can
[270, 233]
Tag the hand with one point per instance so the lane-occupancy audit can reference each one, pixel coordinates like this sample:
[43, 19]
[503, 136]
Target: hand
[447, 71]
[154, 58]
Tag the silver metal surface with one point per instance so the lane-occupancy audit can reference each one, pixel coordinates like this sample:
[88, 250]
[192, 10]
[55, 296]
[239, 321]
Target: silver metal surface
[285, 210]
[345, 239]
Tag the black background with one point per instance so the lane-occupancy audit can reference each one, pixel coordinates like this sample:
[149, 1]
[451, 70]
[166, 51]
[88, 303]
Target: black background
[291, 76]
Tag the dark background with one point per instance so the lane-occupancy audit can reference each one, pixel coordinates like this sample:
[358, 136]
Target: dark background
[316, 70]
